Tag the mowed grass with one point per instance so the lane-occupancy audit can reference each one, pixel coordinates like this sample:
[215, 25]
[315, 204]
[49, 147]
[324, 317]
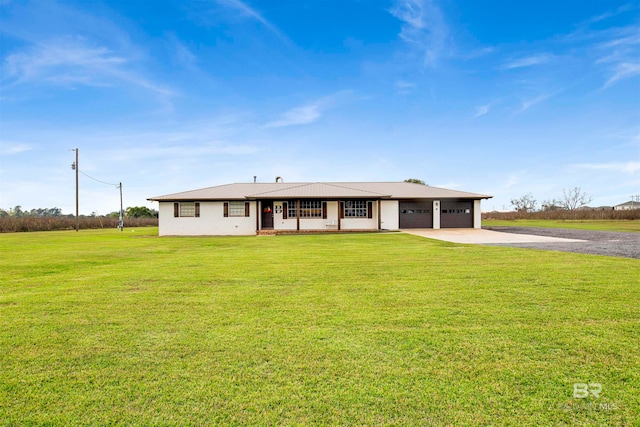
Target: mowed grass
[602, 225]
[109, 328]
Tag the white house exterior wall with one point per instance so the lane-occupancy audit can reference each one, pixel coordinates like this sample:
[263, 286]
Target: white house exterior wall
[386, 197]
[210, 222]
[213, 222]
[477, 214]
[333, 211]
[627, 206]
[436, 214]
[279, 223]
[389, 214]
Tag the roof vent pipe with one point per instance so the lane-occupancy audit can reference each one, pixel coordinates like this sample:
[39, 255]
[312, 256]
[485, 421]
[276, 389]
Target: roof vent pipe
[254, 179]
[279, 179]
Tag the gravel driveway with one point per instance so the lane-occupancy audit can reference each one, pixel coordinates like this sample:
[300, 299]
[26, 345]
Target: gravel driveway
[595, 242]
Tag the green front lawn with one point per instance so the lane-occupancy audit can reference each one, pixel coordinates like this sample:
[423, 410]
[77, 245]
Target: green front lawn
[102, 327]
[603, 225]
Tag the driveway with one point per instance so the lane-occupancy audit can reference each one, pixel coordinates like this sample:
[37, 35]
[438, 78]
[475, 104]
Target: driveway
[609, 243]
[483, 237]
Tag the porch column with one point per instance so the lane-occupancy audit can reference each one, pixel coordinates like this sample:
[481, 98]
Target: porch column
[298, 214]
[258, 215]
[436, 214]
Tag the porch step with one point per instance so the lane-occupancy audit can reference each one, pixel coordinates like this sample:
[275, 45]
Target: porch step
[276, 232]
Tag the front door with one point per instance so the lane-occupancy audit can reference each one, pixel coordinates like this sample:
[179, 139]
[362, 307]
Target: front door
[267, 215]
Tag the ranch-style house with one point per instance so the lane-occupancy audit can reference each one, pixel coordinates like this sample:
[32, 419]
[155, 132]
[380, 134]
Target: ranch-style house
[250, 208]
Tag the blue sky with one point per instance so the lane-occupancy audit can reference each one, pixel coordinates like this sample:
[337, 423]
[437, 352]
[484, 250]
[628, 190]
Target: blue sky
[496, 96]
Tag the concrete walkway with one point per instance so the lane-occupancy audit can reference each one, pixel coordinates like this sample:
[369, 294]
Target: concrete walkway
[483, 237]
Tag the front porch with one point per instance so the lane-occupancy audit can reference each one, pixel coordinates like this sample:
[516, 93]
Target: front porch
[317, 215]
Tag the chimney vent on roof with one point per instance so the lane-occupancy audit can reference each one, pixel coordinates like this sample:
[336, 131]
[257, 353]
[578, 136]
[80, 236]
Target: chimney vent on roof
[254, 179]
[279, 179]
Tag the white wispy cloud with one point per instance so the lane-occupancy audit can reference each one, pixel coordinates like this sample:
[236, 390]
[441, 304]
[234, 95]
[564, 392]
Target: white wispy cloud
[182, 56]
[481, 110]
[623, 71]
[622, 41]
[310, 112]
[528, 103]
[303, 115]
[10, 148]
[423, 27]
[622, 9]
[403, 87]
[512, 180]
[73, 61]
[630, 167]
[195, 149]
[246, 10]
[528, 61]
[618, 51]
[68, 57]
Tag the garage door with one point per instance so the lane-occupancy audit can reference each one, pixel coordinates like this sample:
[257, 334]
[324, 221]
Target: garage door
[416, 215]
[456, 214]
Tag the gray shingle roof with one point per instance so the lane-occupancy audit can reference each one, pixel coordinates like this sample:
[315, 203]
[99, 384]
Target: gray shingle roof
[320, 190]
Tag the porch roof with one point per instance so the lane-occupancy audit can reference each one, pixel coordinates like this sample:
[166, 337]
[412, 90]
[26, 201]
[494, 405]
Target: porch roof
[318, 190]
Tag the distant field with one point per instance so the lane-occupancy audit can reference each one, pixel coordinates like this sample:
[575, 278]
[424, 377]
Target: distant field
[101, 327]
[604, 225]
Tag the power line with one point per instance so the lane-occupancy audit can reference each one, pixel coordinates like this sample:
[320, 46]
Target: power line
[75, 167]
[97, 180]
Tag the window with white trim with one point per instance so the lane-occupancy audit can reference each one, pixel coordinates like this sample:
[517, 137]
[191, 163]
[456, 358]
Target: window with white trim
[310, 209]
[236, 209]
[292, 212]
[355, 209]
[186, 209]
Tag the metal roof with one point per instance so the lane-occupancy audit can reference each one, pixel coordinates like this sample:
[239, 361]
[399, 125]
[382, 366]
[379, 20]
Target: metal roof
[629, 203]
[319, 190]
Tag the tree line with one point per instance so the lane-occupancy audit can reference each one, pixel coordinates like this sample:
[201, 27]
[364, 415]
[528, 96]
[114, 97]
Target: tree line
[17, 219]
[571, 206]
[571, 200]
[130, 212]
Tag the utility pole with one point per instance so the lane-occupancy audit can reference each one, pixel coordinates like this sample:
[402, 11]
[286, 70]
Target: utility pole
[74, 166]
[77, 196]
[121, 222]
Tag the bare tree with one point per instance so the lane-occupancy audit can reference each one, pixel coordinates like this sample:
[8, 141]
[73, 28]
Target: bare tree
[574, 198]
[525, 203]
[552, 205]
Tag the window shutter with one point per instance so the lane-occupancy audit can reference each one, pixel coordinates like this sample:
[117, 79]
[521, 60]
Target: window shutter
[369, 210]
[285, 210]
[197, 209]
[246, 209]
[324, 210]
[341, 209]
[226, 209]
[176, 210]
